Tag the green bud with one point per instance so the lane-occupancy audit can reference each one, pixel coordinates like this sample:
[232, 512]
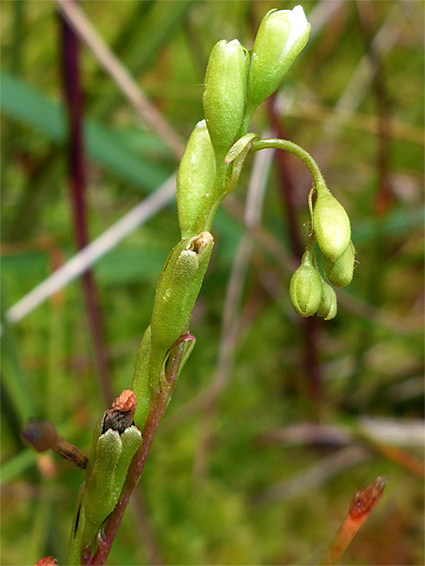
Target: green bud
[131, 440]
[177, 290]
[281, 37]
[340, 272]
[331, 225]
[305, 287]
[140, 384]
[225, 92]
[110, 456]
[328, 305]
[195, 179]
[103, 487]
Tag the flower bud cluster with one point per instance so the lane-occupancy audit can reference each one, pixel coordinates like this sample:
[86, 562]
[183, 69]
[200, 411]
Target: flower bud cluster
[236, 82]
[309, 293]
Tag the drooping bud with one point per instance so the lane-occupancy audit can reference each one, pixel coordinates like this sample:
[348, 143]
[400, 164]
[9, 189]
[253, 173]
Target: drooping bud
[225, 92]
[195, 179]
[305, 287]
[331, 225]
[328, 305]
[340, 272]
[281, 37]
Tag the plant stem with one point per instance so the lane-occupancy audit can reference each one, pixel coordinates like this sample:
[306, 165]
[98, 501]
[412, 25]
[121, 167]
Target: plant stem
[77, 184]
[157, 410]
[125, 82]
[305, 157]
[361, 506]
[309, 326]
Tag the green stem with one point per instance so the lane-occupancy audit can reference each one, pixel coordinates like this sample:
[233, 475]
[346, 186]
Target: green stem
[274, 143]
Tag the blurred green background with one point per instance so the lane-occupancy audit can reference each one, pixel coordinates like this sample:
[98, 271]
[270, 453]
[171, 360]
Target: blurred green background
[274, 423]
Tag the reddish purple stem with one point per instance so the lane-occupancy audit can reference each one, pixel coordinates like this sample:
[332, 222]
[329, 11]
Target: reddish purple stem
[77, 185]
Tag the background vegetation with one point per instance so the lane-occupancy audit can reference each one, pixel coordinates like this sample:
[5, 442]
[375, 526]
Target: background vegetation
[240, 472]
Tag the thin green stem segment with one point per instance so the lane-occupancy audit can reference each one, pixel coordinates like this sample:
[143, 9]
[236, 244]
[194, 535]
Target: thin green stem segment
[275, 143]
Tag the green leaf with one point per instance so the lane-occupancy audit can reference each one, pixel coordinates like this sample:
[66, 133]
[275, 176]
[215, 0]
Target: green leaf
[14, 467]
[30, 107]
[153, 31]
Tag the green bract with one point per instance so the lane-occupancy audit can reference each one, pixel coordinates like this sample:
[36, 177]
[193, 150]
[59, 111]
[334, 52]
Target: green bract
[340, 272]
[235, 158]
[225, 92]
[110, 456]
[107, 468]
[281, 37]
[331, 225]
[177, 290]
[328, 305]
[195, 179]
[305, 287]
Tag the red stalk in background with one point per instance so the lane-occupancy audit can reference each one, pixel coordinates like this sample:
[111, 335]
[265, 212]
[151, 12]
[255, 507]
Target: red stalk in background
[77, 187]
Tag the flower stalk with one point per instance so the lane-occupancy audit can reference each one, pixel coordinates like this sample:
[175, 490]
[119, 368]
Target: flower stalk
[235, 84]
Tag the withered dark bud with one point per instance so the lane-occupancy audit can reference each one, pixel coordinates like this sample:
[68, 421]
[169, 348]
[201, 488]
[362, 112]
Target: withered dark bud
[43, 436]
[40, 434]
[121, 414]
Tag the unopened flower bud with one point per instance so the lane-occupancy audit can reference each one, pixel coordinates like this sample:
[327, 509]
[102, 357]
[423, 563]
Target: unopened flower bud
[328, 305]
[195, 179]
[281, 37]
[225, 92]
[340, 272]
[331, 225]
[305, 287]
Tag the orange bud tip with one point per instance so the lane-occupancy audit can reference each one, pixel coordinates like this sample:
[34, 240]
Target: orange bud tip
[366, 498]
[126, 402]
[46, 561]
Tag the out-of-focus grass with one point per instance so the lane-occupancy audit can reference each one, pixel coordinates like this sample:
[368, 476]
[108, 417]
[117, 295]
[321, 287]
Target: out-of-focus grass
[370, 366]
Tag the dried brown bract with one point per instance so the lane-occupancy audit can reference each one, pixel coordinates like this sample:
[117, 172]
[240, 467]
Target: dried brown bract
[365, 499]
